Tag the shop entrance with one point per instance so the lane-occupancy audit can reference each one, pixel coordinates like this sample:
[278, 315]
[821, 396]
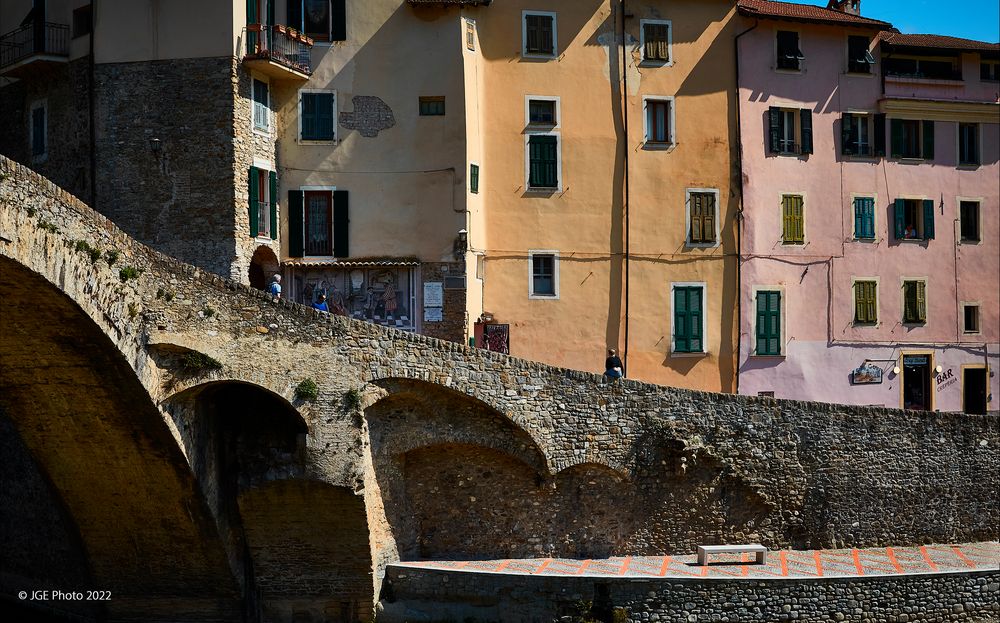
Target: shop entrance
[917, 382]
[974, 390]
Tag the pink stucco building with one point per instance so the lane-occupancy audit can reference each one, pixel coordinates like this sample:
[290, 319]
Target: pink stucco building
[869, 255]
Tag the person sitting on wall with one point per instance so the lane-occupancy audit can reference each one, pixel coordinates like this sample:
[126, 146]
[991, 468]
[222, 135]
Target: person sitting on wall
[613, 365]
[275, 288]
[320, 304]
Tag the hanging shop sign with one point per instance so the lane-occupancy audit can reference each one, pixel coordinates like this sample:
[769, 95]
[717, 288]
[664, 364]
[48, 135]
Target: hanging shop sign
[866, 374]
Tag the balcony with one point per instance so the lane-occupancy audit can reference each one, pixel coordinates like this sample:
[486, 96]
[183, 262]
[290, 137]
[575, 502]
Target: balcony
[277, 51]
[34, 47]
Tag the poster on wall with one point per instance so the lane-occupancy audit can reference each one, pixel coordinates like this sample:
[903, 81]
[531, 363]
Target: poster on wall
[432, 314]
[866, 374]
[433, 294]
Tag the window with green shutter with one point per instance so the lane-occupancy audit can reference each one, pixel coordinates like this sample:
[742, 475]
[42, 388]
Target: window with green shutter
[864, 218]
[865, 302]
[317, 116]
[688, 316]
[702, 218]
[543, 161]
[768, 322]
[474, 178]
[914, 302]
[793, 221]
[913, 219]
[911, 138]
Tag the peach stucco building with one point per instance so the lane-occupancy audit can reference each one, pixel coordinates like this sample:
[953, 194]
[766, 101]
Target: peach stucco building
[869, 252]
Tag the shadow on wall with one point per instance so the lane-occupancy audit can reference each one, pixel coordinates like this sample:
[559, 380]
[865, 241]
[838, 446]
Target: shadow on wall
[460, 481]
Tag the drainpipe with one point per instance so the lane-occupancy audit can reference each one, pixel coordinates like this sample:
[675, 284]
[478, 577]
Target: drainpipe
[739, 214]
[625, 203]
[92, 96]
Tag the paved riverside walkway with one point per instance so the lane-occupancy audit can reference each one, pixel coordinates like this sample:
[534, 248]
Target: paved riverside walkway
[781, 564]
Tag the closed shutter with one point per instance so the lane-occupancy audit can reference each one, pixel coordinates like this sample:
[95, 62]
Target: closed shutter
[805, 115]
[921, 302]
[531, 31]
[928, 132]
[254, 201]
[864, 217]
[308, 116]
[338, 14]
[896, 137]
[688, 319]
[708, 218]
[774, 129]
[543, 162]
[899, 218]
[294, 216]
[697, 201]
[793, 226]
[545, 35]
[324, 116]
[928, 219]
[865, 305]
[879, 142]
[272, 179]
[768, 322]
[340, 224]
[474, 178]
[848, 146]
[270, 12]
[294, 13]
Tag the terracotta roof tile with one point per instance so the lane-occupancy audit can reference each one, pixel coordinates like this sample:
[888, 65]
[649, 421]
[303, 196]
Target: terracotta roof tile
[936, 41]
[804, 12]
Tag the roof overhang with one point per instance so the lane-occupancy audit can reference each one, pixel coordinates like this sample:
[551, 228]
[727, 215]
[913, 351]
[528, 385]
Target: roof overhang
[940, 110]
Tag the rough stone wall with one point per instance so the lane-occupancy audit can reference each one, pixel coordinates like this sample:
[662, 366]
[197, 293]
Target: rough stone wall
[180, 200]
[440, 596]
[815, 475]
[65, 89]
[249, 144]
[453, 319]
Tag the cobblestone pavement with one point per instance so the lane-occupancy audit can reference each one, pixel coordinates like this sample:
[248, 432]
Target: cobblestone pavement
[794, 564]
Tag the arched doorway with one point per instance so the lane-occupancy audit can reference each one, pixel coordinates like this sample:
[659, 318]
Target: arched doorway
[263, 263]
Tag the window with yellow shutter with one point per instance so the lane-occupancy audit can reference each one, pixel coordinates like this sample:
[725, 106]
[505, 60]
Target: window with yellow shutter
[914, 302]
[793, 221]
[865, 302]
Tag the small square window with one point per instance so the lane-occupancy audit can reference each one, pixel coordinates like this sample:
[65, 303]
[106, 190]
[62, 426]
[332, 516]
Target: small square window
[971, 319]
[542, 112]
[969, 212]
[656, 41]
[539, 34]
[544, 275]
[659, 130]
[914, 219]
[789, 55]
[968, 144]
[432, 106]
[317, 115]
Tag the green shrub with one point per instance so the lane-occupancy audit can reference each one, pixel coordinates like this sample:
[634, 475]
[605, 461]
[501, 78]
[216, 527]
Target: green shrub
[84, 247]
[111, 256]
[352, 399]
[307, 390]
[47, 226]
[199, 362]
[130, 272]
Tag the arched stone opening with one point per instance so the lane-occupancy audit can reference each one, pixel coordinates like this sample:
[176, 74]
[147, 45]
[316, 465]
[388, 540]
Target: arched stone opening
[263, 264]
[101, 444]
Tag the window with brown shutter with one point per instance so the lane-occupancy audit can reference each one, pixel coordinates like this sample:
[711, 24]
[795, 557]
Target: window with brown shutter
[702, 218]
[656, 41]
[540, 34]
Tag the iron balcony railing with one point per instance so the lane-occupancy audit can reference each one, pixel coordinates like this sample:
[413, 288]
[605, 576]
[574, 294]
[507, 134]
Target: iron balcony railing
[279, 44]
[34, 38]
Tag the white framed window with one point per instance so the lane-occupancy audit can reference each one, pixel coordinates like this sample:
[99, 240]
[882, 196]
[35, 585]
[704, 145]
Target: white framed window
[658, 122]
[864, 296]
[470, 34]
[856, 134]
[543, 162]
[317, 116]
[263, 181]
[260, 93]
[38, 130]
[769, 305]
[688, 324]
[543, 274]
[656, 42]
[702, 216]
[317, 220]
[914, 290]
[542, 111]
[539, 35]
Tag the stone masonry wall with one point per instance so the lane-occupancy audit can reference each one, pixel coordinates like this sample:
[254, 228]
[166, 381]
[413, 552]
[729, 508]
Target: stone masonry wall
[784, 473]
[453, 320]
[421, 595]
[179, 200]
[64, 90]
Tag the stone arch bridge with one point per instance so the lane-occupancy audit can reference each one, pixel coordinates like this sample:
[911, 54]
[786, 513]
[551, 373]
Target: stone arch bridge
[155, 446]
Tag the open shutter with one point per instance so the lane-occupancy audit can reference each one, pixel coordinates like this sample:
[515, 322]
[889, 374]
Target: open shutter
[531, 33]
[338, 14]
[896, 137]
[294, 13]
[272, 179]
[708, 218]
[697, 234]
[879, 142]
[340, 224]
[254, 201]
[928, 151]
[774, 129]
[308, 116]
[807, 130]
[294, 216]
[681, 337]
[859, 221]
[921, 302]
[847, 145]
[859, 301]
[928, 219]
[868, 217]
[899, 218]
[694, 319]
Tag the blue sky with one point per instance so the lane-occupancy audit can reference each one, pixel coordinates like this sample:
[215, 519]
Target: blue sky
[970, 19]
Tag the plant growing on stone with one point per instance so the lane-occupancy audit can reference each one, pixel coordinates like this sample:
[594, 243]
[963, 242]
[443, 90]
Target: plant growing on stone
[130, 272]
[352, 399]
[47, 226]
[111, 256]
[194, 362]
[84, 247]
[307, 390]
[133, 310]
[31, 212]
[208, 311]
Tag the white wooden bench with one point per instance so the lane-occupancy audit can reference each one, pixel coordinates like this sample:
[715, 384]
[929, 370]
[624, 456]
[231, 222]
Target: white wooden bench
[759, 550]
